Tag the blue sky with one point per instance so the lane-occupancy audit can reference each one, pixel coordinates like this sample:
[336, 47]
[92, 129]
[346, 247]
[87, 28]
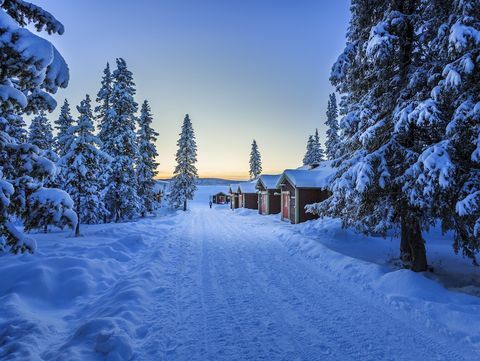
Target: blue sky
[241, 69]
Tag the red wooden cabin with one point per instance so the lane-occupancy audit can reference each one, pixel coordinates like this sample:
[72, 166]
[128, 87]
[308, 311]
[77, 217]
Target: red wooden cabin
[301, 187]
[248, 196]
[269, 200]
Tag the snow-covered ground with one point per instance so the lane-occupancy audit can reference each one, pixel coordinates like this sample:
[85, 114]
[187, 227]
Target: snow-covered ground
[216, 284]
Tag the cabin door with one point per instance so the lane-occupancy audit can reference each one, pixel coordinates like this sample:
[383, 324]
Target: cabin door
[264, 203]
[286, 206]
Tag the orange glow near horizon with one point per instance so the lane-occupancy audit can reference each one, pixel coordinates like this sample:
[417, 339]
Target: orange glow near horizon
[235, 176]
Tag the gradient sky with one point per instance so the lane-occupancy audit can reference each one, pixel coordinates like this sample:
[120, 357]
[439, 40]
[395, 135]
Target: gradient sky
[242, 69]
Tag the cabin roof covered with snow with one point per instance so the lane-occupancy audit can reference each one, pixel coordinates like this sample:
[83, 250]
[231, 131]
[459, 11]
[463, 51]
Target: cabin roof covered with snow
[269, 181]
[248, 187]
[315, 178]
[233, 188]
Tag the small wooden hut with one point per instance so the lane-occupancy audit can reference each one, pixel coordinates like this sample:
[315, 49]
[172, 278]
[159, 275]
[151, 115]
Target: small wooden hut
[234, 196]
[248, 196]
[269, 199]
[220, 198]
[300, 187]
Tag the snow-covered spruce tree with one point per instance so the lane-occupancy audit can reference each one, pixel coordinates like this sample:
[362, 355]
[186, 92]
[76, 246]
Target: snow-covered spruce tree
[318, 154]
[446, 175]
[333, 142]
[103, 115]
[121, 145]
[32, 69]
[40, 132]
[83, 163]
[104, 108]
[255, 161]
[307, 158]
[62, 140]
[41, 135]
[183, 187]
[146, 164]
[372, 74]
[62, 125]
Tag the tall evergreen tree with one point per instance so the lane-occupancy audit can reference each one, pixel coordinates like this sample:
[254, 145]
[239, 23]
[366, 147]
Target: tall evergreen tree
[255, 161]
[104, 108]
[62, 125]
[62, 139]
[183, 185]
[307, 159]
[146, 164]
[333, 142]
[314, 154]
[41, 132]
[120, 143]
[27, 79]
[372, 74]
[445, 116]
[84, 163]
[318, 154]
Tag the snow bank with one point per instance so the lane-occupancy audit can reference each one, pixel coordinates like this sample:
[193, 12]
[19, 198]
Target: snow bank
[81, 298]
[365, 263]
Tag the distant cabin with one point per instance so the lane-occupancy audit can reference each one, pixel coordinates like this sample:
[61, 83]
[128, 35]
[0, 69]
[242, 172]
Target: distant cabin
[234, 196]
[160, 190]
[247, 196]
[269, 196]
[300, 187]
[220, 198]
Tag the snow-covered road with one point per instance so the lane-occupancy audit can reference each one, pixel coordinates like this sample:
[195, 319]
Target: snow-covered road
[209, 284]
[232, 291]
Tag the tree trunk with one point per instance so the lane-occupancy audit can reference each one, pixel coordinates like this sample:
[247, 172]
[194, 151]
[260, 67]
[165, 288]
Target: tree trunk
[77, 228]
[413, 240]
[405, 250]
[45, 228]
[184, 205]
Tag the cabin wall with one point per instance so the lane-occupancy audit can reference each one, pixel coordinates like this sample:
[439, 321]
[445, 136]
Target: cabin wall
[234, 204]
[309, 196]
[274, 201]
[250, 200]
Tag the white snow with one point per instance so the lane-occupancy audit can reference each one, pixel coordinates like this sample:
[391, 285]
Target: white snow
[216, 284]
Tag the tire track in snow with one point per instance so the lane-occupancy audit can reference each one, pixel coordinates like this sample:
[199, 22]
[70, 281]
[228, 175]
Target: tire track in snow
[304, 285]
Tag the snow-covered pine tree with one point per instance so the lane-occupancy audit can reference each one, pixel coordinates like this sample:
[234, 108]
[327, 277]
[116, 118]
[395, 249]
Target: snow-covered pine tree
[41, 135]
[31, 70]
[333, 142]
[103, 115]
[62, 125]
[104, 108]
[372, 75]
[318, 154]
[307, 159]
[83, 163]
[40, 132]
[62, 140]
[146, 164]
[255, 161]
[183, 187]
[446, 117]
[121, 145]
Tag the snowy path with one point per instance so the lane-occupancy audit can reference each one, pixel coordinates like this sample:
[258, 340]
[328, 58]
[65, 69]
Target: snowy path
[234, 293]
[202, 285]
